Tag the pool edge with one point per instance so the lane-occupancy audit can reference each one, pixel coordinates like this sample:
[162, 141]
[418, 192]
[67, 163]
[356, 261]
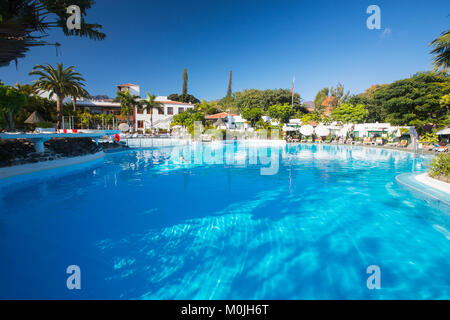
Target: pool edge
[410, 181]
[9, 172]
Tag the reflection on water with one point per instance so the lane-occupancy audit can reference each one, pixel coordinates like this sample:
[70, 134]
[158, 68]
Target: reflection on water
[151, 224]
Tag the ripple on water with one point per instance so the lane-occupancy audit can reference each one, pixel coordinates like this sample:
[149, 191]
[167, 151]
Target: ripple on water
[150, 227]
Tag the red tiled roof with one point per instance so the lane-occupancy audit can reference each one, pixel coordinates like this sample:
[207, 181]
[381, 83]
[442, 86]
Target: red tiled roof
[173, 102]
[220, 115]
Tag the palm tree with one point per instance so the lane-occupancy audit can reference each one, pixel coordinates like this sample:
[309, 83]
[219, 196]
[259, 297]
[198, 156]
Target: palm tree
[60, 82]
[151, 104]
[441, 51]
[25, 23]
[208, 108]
[127, 103]
[25, 89]
[78, 92]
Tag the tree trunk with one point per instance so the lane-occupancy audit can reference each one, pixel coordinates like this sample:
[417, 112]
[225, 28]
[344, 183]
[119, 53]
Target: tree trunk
[11, 120]
[185, 84]
[74, 101]
[230, 92]
[5, 119]
[59, 103]
[151, 120]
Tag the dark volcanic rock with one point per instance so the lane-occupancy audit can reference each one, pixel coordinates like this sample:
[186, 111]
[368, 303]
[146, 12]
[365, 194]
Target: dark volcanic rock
[72, 147]
[115, 145]
[21, 151]
[14, 150]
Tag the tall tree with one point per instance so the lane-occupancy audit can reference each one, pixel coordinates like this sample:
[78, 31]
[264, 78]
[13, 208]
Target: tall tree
[264, 99]
[57, 81]
[150, 104]
[348, 113]
[281, 112]
[127, 102]
[339, 95]
[441, 51]
[208, 108]
[45, 107]
[25, 23]
[375, 110]
[11, 102]
[185, 82]
[230, 81]
[415, 101]
[186, 98]
[77, 92]
[25, 89]
[252, 115]
[320, 97]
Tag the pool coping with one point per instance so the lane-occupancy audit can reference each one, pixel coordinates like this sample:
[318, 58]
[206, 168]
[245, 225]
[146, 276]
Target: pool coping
[421, 152]
[8, 172]
[422, 184]
[434, 183]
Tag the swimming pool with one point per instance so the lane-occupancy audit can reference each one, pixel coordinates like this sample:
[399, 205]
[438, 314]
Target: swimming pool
[163, 224]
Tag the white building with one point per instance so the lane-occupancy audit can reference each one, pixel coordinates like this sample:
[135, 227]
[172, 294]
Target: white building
[160, 119]
[240, 123]
[228, 121]
[372, 129]
[134, 89]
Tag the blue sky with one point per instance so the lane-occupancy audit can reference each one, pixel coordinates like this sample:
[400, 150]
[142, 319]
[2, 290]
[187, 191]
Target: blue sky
[265, 43]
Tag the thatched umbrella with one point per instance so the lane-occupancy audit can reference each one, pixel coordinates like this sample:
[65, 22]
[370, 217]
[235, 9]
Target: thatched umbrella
[35, 118]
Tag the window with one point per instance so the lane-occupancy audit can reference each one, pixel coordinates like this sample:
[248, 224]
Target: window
[140, 123]
[161, 111]
[180, 110]
[169, 110]
[140, 110]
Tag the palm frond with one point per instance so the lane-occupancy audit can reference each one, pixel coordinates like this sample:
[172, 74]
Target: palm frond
[441, 51]
[22, 19]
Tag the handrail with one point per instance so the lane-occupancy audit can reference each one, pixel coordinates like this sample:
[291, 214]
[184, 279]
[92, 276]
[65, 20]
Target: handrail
[414, 138]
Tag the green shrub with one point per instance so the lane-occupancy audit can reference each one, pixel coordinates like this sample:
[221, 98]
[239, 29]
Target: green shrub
[45, 125]
[440, 167]
[429, 138]
[404, 131]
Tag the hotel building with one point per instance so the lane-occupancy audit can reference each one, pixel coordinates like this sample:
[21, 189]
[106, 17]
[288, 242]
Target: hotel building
[160, 119]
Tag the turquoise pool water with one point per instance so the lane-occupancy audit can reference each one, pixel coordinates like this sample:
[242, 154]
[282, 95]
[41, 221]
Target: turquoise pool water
[144, 224]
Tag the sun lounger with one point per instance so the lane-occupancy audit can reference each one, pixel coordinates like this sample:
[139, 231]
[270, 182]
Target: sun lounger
[442, 149]
[402, 144]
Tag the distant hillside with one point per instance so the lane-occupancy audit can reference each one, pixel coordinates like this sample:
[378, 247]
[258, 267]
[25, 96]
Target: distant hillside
[100, 97]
